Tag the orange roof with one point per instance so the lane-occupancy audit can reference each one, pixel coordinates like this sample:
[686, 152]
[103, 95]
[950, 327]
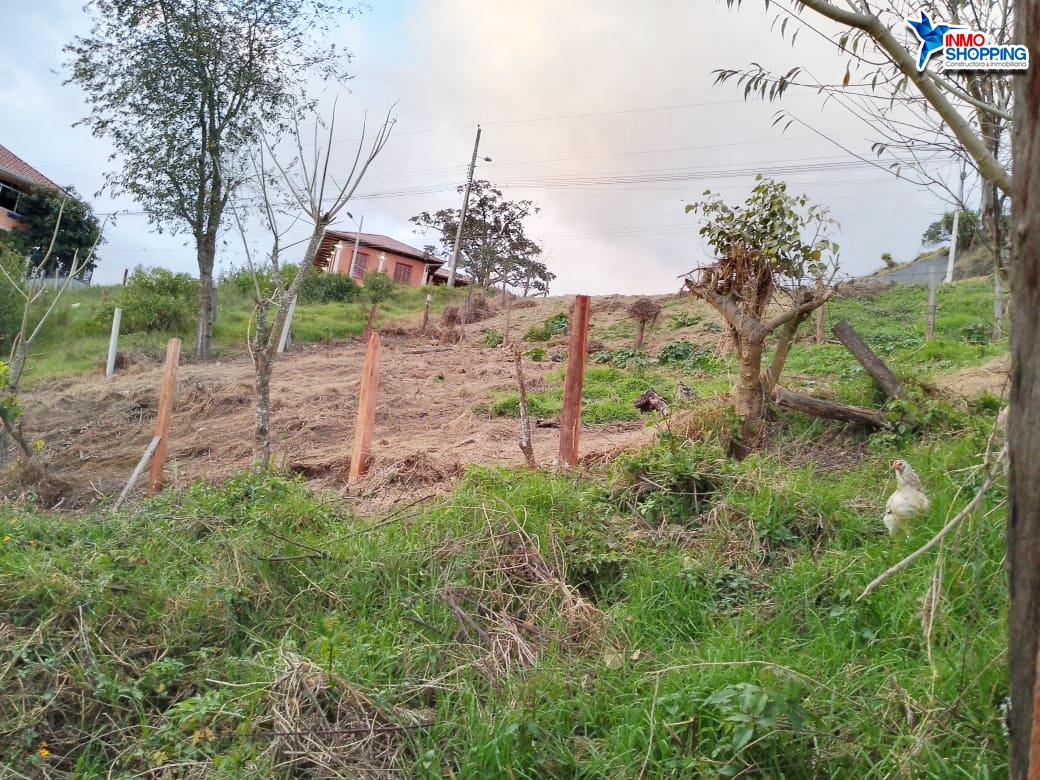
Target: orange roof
[14, 167]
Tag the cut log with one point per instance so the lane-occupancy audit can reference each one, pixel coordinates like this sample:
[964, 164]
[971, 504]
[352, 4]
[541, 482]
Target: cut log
[829, 410]
[871, 363]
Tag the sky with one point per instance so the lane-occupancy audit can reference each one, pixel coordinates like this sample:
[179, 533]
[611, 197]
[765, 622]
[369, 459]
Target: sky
[605, 114]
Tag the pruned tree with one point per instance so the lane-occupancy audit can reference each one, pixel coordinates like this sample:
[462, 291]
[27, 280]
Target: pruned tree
[770, 252]
[494, 244]
[1023, 517]
[311, 193]
[38, 216]
[183, 89]
[644, 311]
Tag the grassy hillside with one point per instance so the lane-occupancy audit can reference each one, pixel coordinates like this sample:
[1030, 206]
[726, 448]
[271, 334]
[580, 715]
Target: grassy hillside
[674, 614]
[75, 339]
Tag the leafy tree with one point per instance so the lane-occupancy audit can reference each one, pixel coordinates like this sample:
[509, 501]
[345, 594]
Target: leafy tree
[531, 276]
[79, 231]
[184, 89]
[494, 245]
[886, 258]
[763, 260]
[969, 230]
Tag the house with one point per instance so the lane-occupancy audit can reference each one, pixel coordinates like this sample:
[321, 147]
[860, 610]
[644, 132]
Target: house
[375, 253]
[17, 178]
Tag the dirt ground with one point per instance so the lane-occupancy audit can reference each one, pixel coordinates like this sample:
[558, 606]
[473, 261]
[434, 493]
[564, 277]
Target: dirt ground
[426, 430]
[969, 383]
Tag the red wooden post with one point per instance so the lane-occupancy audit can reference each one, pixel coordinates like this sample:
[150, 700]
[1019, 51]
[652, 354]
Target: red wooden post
[570, 415]
[366, 415]
[368, 325]
[167, 390]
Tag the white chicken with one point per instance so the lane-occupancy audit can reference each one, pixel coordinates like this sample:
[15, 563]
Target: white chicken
[908, 501]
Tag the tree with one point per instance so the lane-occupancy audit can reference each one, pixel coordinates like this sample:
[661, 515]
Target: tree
[531, 276]
[1023, 519]
[763, 259]
[183, 90]
[38, 212]
[969, 230]
[494, 245]
[312, 195]
[886, 258]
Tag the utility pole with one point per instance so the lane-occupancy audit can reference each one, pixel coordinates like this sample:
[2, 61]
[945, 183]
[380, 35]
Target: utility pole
[357, 243]
[956, 228]
[462, 215]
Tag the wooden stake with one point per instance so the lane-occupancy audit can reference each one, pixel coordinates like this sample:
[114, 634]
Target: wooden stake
[126, 271]
[113, 342]
[570, 415]
[871, 363]
[368, 325]
[366, 415]
[167, 390]
[284, 339]
[929, 323]
[426, 315]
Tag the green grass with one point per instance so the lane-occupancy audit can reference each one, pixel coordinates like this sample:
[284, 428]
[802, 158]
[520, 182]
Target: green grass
[156, 636]
[75, 341]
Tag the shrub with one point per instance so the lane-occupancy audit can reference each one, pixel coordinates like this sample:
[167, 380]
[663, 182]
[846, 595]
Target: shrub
[537, 354]
[684, 320]
[493, 338]
[241, 279]
[379, 287]
[329, 288]
[622, 358]
[553, 326]
[153, 300]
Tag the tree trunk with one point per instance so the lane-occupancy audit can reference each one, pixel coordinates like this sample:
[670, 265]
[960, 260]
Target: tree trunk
[783, 348]
[749, 398]
[640, 333]
[873, 365]
[207, 309]
[829, 410]
[1023, 523]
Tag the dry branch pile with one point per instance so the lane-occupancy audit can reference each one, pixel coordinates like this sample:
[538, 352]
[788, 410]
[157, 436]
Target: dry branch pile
[521, 606]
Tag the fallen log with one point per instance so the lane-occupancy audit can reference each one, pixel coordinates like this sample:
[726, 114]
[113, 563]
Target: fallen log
[871, 363]
[829, 410]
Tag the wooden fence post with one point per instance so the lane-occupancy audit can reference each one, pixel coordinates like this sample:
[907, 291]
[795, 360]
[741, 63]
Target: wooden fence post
[426, 315]
[113, 342]
[570, 415]
[284, 338]
[929, 323]
[368, 325]
[167, 390]
[366, 415]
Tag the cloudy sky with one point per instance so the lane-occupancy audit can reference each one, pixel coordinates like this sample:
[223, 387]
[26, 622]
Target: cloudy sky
[604, 113]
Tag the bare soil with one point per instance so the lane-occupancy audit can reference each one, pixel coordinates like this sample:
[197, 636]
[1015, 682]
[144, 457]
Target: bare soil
[426, 430]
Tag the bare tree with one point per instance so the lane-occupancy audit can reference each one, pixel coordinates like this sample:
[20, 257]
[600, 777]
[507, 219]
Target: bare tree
[313, 194]
[32, 290]
[1023, 523]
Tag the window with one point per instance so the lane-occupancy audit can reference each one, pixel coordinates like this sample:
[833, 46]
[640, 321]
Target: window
[402, 272]
[360, 263]
[8, 198]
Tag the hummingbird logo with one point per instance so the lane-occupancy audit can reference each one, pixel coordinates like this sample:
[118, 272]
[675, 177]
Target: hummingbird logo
[930, 36]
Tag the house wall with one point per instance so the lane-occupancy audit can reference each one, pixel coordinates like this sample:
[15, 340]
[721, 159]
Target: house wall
[371, 258]
[6, 222]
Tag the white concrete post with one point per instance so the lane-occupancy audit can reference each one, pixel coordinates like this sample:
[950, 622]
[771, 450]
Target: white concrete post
[285, 328]
[113, 342]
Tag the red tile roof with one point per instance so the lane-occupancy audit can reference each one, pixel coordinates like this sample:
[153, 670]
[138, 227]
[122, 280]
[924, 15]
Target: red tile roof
[13, 166]
[374, 240]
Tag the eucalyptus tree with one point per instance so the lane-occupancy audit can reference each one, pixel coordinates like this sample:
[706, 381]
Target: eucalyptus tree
[183, 88]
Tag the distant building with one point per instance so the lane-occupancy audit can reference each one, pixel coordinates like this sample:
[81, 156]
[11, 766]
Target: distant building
[375, 254]
[17, 178]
